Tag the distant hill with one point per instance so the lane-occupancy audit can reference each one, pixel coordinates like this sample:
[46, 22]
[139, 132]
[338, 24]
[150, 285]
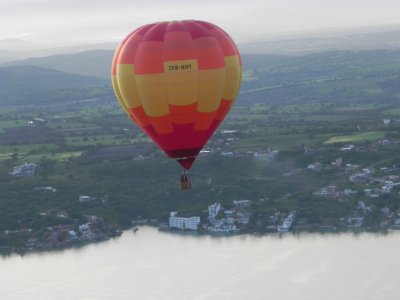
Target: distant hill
[352, 39]
[348, 76]
[266, 76]
[91, 63]
[18, 84]
[347, 40]
[98, 62]
[330, 59]
[14, 49]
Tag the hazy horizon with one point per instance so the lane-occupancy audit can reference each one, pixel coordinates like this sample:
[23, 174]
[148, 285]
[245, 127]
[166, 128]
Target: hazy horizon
[64, 23]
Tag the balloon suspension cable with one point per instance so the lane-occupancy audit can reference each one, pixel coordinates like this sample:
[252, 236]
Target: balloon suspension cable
[186, 183]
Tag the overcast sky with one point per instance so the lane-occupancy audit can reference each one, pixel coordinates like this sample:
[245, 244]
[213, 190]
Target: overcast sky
[62, 22]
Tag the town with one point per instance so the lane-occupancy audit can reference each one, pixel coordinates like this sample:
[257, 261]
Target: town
[234, 220]
[361, 185]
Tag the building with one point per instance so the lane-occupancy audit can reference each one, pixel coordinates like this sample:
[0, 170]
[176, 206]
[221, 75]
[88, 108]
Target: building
[84, 227]
[360, 178]
[72, 234]
[386, 122]
[238, 203]
[337, 163]
[45, 188]
[329, 191]
[213, 211]
[287, 222]
[84, 198]
[317, 166]
[25, 170]
[191, 223]
[348, 148]
[349, 192]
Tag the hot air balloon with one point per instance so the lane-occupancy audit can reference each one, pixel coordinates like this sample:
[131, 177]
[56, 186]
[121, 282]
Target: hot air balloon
[177, 81]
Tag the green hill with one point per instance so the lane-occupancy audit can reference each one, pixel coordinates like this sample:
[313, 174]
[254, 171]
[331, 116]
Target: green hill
[90, 63]
[347, 76]
[25, 84]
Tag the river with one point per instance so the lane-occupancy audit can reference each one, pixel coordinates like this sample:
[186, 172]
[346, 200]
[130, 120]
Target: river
[149, 264]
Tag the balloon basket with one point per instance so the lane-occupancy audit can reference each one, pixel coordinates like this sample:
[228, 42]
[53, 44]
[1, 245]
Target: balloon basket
[186, 183]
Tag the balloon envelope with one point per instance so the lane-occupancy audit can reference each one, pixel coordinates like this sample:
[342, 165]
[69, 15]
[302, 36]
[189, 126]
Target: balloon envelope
[177, 81]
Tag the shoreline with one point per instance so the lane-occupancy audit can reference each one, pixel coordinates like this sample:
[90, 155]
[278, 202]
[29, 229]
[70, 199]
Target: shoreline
[8, 251]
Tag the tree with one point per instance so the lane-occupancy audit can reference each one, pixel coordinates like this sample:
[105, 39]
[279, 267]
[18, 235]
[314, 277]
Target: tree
[47, 166]
[14, 157]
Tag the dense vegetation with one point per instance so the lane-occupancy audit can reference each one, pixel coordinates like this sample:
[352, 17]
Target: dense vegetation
[306, 107]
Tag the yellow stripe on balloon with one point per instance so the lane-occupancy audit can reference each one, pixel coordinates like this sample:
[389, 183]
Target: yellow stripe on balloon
[181, 81]
[152, 93]
[127, 85]
[117, 93]
[233, 77]
[211, 86]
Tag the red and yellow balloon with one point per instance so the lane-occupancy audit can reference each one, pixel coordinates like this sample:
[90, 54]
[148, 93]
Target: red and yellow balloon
[177, 81]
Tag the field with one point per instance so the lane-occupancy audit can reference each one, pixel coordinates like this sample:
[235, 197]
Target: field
[356, 137]
[393, 112]
[282, 141]
[11, 123]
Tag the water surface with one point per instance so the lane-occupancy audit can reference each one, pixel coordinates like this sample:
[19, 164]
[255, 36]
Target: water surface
[150, 264]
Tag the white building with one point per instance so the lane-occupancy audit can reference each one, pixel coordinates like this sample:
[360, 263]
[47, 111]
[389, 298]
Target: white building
[25, 170]
[84, 227]
[84, 198]
[287, 222]
[348, 148]
[191, 223]
[213, 211]
[349, 192]
[241, 202]
[72, 234]
[45, 188]
[317, 166]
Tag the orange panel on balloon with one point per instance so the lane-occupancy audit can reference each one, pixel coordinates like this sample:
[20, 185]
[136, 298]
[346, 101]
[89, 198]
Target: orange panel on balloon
[162, 125]
[204, 120]
[140, 116]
